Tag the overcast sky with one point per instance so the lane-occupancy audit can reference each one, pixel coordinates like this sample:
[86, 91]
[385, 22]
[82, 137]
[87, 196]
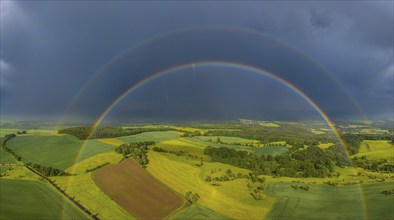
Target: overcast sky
[340, 54]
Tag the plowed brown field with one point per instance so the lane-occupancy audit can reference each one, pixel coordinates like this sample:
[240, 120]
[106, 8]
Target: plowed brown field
[137, 191]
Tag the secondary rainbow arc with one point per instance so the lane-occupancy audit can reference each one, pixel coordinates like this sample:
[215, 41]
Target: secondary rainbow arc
[103, 69]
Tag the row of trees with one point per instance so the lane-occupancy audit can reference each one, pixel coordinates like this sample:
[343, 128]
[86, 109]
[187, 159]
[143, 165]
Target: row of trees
[91, 132]
[310, 162]
[381, 165]
[138, 151]
[47, 170]
[8, 150]
[96, 167]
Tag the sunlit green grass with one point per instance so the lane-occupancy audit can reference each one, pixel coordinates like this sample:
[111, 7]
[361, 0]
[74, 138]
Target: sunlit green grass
[197, 212]
[150, 136]
[57, 151]
[231, 199]
[328, 202]
[6, 158]
[29, 199]
[376, 149]
[82, 187]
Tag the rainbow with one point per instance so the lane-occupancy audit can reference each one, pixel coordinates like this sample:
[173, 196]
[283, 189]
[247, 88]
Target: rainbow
[104, 69]
[247, 68]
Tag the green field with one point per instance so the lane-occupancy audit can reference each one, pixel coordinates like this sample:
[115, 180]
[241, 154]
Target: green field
[26, 199]
[5, 131]
[327, 202]
[150, 136]
[376, 150]
[206, 143]
[195, 212]
[58, 151]
[226, 139]
[4, 168]
[6, 157]
[230, 198]
[182, 144]
[271, 150]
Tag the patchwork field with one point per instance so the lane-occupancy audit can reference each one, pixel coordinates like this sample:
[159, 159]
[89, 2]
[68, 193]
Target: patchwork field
[327, 202]
[150, 136]
[137, 191]
[230, 199]
[82, 187]
[27, 199]
[57, 151]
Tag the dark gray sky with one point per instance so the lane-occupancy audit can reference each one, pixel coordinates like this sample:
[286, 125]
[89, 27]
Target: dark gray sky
[340, 54]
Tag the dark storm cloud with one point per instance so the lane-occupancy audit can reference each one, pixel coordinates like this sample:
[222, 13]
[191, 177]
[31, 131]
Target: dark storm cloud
[320, 19]
[53, 48]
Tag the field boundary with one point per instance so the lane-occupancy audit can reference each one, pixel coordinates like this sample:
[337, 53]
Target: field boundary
[79, 205]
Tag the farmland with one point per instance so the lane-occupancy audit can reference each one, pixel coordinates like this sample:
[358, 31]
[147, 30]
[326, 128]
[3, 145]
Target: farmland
[197, 212]
[150, 136]
[179, 165]
[226, 139]
[82, 187]
[376, 150]
[137, 191]
[28, 199]
[6, 157]
[327, 202]
[232, 198]
[184, 145]
[57, 151]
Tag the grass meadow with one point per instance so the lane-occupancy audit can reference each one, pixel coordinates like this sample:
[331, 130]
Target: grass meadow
[57, 151]
[328, 202]
[149, 136]
[29, 199]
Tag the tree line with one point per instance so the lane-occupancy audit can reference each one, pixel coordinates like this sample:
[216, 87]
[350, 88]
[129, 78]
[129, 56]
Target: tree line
[47, 170]
[91, 132]
[381, 165]
[8, 150]
[309, 162]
